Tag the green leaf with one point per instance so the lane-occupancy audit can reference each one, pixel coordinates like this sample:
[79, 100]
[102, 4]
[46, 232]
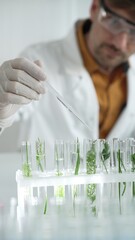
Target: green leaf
[133, 162]
[106, 151]
[133, 158]
[26, 170]
[46, 204]
[91, 161]
[120, 163]
[91, 169]
[60, 191]
[39, 154]
[105, 154]
[78, 159]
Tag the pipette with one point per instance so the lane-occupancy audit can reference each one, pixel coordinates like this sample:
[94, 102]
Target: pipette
[55, 93]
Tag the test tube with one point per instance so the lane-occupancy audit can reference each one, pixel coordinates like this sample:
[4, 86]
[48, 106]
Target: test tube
[59, 156]
[40, 155]
[26, 158]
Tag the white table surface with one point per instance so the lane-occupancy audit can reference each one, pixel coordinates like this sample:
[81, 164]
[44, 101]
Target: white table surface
[9, 163]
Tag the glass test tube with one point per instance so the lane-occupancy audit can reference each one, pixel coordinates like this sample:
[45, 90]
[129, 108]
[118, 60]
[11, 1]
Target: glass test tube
[40, 155]
[26, 158]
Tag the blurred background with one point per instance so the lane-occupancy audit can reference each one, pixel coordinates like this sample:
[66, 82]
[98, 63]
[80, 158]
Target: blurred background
[23, 22]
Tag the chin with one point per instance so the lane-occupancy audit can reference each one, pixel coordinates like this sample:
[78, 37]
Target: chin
[106, 62]
[112, 62]
[110, 66]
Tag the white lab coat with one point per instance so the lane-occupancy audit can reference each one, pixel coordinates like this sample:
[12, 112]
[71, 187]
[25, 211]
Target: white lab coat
[48, 118]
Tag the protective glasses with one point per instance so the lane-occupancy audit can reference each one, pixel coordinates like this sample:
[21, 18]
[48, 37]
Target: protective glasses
[115, 23]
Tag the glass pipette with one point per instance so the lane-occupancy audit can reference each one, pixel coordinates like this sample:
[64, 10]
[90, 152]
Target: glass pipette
[54, 92]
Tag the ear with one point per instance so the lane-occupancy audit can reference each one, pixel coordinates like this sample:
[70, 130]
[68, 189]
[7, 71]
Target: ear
[94, 9]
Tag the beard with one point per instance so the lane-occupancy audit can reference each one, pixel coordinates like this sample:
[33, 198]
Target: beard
[109, 57]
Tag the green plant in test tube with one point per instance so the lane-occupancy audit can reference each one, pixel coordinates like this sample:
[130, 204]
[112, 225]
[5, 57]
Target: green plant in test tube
[40, 154]
[77, 166]
[105, 154]
[59, 194]
[76, 172]
[91, 169]
[45, 205]
[91, 160]
[26, 166]
[133, 170]
[40, 162]
[120, 167]
[59, 157]
[59, 191]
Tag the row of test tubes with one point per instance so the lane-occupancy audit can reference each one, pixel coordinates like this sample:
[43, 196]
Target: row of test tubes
[87, 157]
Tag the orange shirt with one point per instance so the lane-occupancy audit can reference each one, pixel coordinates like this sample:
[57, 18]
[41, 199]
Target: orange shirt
[111, 90]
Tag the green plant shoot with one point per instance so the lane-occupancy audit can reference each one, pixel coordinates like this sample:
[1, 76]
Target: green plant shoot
[133, 170]
[105, 155]
[40, 154]
[26, 169]
[78, 159]
[91, 169]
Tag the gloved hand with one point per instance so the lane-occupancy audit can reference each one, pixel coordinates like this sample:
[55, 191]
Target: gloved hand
[21, 81]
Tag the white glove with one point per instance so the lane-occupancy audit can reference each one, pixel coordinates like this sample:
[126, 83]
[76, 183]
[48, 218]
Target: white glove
[21, 81]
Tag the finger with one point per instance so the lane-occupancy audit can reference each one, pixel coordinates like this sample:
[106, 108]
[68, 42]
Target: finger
[10, 98]
[29, 67]
[26, 79]
[38, 63]
[21, 90]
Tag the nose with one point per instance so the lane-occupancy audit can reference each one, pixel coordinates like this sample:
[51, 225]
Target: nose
[120, 41]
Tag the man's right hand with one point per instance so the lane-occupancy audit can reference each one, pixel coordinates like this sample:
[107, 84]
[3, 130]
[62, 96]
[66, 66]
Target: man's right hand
[21, 81]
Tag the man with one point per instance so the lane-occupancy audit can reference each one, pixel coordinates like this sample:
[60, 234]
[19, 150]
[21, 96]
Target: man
[91, 68]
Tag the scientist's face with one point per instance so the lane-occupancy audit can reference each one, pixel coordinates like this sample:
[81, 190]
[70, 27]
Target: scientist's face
[112, 36]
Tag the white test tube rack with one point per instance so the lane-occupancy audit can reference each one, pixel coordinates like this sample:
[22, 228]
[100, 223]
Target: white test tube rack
[38, 180]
